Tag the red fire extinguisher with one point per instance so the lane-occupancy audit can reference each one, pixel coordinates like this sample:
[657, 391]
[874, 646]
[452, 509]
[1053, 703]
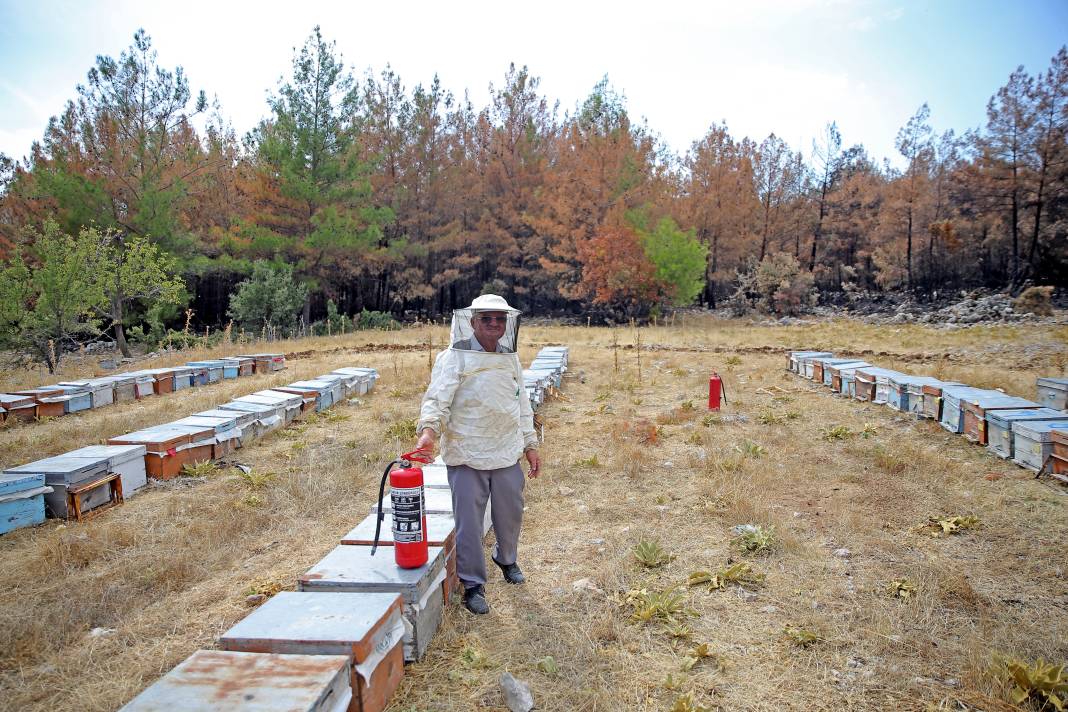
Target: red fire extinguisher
[715, 390]
[409, 510]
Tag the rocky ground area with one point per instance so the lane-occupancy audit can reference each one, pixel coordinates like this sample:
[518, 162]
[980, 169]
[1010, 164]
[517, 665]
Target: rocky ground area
[962, 309]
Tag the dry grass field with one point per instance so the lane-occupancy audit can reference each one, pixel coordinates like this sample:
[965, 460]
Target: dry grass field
[631, 456]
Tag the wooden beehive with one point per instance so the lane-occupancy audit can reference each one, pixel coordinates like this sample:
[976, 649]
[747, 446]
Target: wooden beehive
[1033, 443]
[165, 449]
[22, 500]
[268, 416]
[353, 569]
[832, 373]
[953, 405]
[78, 484]
[128, 461]
[18, 407]
[975, 409]
[1058, 438]
[1053, 392]
[367, 628]
[441, 531]
[218, 680]
[999, 424]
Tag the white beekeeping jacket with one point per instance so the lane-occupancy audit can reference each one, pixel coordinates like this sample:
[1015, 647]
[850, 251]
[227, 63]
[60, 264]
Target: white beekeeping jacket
[476, 400]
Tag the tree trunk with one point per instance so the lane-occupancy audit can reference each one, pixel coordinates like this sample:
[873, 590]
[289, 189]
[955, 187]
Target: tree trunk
[908, 253]
[120, 334]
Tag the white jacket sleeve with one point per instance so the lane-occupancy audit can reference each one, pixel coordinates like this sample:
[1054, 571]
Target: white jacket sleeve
[526, 419]
[437, 401]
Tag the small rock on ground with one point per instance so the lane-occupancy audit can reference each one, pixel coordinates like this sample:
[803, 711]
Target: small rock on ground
[517, 693]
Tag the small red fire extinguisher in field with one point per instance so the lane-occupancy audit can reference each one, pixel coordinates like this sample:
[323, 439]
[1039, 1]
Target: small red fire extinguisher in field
[409, 510]
[715, 391]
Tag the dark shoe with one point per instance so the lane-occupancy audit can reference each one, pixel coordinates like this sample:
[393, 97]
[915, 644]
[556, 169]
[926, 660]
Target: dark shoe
[511, 572]
[475, 600]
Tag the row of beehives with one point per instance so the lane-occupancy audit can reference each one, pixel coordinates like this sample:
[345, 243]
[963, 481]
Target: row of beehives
[341, 639]
[75, 396]
[97, 477]
[1033, 434]
[545, 373]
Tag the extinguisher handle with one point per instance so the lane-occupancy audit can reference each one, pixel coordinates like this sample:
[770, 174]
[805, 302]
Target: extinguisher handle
[381, 512]
[419, 455]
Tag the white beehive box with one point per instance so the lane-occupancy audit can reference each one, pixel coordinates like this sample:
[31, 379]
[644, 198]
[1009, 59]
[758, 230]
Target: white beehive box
[353, 569]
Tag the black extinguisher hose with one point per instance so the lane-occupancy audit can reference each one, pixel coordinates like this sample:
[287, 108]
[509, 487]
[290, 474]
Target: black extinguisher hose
[723, 389]
[381, 511]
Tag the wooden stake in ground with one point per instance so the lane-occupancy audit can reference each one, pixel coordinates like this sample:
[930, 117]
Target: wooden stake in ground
[615, 349]
[638, 351]
[429, 350]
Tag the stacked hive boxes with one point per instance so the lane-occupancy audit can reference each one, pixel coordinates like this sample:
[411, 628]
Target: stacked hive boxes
[94, 478]
[352, 607]
[75, 396]
[1028, 432]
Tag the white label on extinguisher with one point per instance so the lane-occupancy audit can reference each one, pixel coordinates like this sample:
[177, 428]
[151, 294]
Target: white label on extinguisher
[407, 514]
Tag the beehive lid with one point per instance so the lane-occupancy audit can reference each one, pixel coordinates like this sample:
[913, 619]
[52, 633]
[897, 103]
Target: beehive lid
[1038, 430]
[999, 401]
[114, 454]
[161, 436]
[157, 373]
[239, 359]
[1060, 384]
[63, 469]
[349, 567]
[242, 417]
[1011, 415]
[320, 623]
[77, 384]
[257, 406]
[118, 379]
[316, 385]
[210, 363]
[44, 392]
[873, 373]
[218, 425]
[962, 392]
[213, 680]
[14, 482]
[848, 365]
[196, 432]
[358, 371]
[10, 400]
[278, 397]
[437, 501]
[435, 475]
[440, 528]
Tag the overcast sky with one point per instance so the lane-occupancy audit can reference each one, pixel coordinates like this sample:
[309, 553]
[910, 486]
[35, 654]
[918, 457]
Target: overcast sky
[787, 67]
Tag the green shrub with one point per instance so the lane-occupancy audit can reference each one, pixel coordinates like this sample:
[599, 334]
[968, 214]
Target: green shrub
[375, 320]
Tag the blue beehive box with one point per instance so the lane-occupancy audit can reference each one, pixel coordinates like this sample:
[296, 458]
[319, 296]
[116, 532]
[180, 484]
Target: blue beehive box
[953, 409]
[231, 368]
[1053, 392]
[214, 369]
[999, 426]
[21, 500]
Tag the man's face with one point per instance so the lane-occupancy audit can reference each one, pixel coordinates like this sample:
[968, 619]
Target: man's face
[489, 325]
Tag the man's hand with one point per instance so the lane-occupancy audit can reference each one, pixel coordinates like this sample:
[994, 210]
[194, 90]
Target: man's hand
[426, 440]
[535, 463]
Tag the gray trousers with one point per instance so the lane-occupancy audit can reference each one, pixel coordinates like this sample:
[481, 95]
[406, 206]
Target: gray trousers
[471, 489]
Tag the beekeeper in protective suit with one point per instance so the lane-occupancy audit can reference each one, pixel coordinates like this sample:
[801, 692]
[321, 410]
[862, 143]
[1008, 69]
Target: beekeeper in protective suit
[477, 404]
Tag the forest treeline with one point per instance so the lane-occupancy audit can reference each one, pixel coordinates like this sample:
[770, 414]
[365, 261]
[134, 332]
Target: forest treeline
[363, 195]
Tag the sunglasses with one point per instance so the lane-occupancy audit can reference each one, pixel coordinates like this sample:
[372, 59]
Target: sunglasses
[492, 319]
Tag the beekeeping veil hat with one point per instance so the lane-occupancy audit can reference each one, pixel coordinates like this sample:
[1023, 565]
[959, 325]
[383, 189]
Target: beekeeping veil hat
[484, 317]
